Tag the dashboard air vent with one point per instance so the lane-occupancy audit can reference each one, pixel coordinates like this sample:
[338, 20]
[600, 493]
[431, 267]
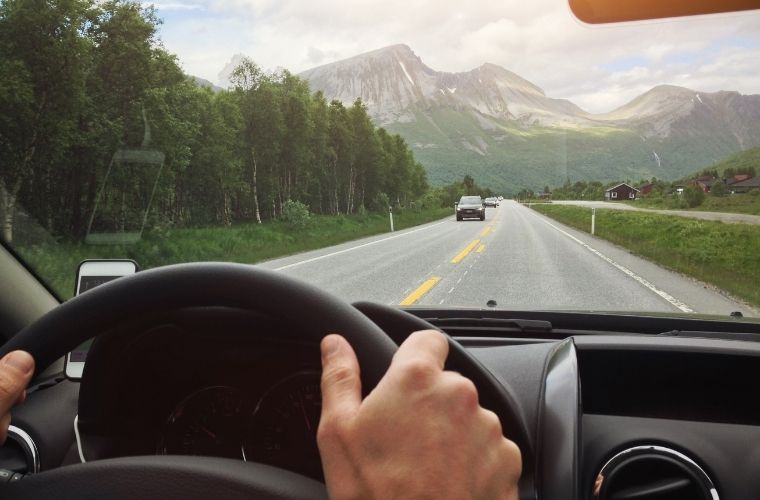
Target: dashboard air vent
[653, 473]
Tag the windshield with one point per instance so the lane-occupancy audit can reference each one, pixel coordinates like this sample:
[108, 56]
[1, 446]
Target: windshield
[335, 141]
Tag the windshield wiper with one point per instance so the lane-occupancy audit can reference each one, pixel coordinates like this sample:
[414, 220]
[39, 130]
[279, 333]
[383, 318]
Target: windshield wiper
[751, 337]
[522, 325]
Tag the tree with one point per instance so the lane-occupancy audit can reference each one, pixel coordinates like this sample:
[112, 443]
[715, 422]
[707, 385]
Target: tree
[719, 189]
[42, 66]
[469, 183]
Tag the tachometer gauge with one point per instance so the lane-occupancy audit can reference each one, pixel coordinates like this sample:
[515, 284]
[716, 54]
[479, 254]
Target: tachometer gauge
[284, 429]
[209, 422]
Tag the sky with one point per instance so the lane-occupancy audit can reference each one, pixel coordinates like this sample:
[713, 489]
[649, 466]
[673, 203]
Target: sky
[597, 67]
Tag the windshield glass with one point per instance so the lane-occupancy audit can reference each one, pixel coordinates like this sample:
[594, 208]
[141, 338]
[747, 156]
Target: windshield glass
[335, 140]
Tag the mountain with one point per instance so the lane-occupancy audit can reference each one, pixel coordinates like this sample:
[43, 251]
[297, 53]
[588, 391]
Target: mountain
[505, 131]
[202, 82]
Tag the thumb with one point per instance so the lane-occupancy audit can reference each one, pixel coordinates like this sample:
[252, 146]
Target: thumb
[341, 385]
[16, 370]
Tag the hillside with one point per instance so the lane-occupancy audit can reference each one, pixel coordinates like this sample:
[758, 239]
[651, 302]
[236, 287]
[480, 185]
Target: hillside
[743, 160]
[507, 133]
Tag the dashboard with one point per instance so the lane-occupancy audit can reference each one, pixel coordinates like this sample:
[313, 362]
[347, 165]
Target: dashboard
[198, 384]
[612, 409]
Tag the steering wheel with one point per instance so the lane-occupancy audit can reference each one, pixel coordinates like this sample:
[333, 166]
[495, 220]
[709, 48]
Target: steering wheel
[307, 309]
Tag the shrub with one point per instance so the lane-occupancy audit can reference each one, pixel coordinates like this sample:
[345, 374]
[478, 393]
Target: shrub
[296, 213]
[693, 196]
[381, 202]
[719, 189]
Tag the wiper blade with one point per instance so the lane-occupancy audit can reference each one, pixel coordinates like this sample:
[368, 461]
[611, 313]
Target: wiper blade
[751, 337]
[523, 325]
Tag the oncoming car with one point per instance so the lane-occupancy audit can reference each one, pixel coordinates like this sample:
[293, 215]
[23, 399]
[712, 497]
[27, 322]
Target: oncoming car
[193, 194]
[471, 207]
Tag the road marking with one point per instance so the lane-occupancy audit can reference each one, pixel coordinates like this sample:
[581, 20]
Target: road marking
[464, 253]
[420, 292]
[452, 289]
[480, 249]
[325, 256]
[662, 293]
[485, 231]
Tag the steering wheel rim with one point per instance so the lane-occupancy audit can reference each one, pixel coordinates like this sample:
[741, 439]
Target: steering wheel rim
[205, 284]
[197, 285]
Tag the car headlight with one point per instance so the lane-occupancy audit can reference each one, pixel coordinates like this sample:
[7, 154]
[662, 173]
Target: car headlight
[481, 208]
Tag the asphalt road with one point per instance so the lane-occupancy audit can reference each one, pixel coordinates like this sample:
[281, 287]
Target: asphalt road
[516, 257]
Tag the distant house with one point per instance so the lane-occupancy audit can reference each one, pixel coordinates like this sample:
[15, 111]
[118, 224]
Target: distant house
[705, 182]
[646, 188]
[544, 195]
[745, 185]
[737, 178]
[621, 192]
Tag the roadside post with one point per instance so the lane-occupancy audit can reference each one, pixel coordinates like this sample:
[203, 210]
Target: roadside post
[390, 214]
[593, 220]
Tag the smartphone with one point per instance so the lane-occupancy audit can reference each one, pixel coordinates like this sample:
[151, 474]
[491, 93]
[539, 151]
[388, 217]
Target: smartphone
[92, 273]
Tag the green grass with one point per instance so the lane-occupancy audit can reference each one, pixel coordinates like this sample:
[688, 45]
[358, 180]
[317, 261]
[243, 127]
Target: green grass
[724, 255]
[246, 243]
[748, 203]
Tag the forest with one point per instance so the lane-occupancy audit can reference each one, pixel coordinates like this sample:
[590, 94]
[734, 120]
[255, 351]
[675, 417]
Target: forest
[101, 131]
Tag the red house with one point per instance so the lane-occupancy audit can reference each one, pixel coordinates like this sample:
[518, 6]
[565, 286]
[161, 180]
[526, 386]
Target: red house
[621, 192]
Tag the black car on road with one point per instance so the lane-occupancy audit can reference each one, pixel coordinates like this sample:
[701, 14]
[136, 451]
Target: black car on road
[471, 207]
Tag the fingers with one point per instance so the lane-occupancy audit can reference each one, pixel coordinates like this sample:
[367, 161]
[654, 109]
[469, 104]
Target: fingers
[425, 346]
[16, 370]
[341, 385]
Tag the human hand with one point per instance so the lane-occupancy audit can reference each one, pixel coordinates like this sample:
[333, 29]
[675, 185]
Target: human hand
[16, 369]
[420, 433]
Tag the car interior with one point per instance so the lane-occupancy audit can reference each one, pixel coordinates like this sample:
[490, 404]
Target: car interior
[203, 381]
[650, 407]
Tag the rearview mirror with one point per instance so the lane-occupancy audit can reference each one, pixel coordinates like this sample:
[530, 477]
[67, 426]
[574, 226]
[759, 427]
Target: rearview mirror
[606, 11]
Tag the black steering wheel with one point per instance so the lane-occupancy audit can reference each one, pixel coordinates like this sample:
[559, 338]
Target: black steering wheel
[311, 311]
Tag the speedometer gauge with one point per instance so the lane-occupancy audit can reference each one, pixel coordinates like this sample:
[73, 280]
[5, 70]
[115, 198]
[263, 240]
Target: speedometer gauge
[284, 430]
[209, 422]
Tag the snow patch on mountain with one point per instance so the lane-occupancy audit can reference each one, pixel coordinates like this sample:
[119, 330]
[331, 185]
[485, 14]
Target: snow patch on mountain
[406, 73]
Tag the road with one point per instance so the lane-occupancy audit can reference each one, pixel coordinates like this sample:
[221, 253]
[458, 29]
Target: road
[516, 257]
[729, 217]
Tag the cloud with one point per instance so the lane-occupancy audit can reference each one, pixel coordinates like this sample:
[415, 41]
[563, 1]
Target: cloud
[598, 67]
[169, 6]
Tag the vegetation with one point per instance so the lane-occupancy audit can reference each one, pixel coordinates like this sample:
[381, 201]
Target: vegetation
[99, 127]
[246, 242]
[745, 162]
[748, 203]
[724, 255]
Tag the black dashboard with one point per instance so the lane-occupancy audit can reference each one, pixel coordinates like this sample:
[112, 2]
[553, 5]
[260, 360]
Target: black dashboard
[662, 416]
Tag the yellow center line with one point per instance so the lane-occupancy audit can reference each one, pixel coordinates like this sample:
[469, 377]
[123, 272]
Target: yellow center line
[481, 248]
[486, 231]
[421, 291]
[464, 253]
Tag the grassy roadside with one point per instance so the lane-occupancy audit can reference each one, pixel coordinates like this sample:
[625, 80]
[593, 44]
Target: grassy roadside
[724, 255]
[748, 203]
[248, 243]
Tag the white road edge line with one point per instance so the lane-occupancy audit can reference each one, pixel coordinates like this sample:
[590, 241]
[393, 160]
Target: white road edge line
[662, 293]
[320, 257]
